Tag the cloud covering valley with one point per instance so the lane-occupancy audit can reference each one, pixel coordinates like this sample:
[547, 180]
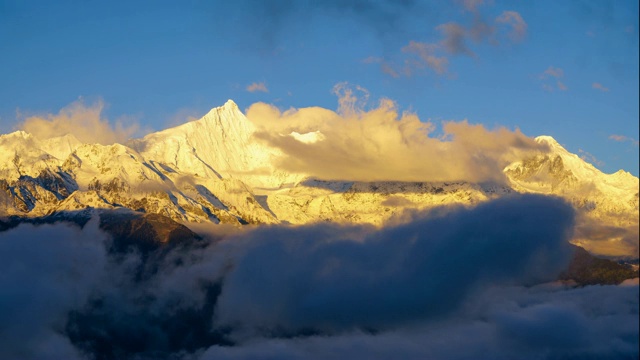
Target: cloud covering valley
[450, 283]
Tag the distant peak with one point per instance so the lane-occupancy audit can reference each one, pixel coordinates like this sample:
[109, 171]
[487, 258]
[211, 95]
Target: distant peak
[17, 134]
[230, 104]
[229, 107]
[551, 142]
[546, 139]
[621, 174]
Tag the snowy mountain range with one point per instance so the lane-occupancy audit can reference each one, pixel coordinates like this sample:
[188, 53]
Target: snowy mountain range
[214, 170]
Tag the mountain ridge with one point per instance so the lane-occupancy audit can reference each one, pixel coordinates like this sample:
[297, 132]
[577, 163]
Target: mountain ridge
[214, 170]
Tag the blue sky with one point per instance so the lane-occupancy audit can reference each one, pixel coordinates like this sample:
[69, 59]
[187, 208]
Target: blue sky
[568, 69]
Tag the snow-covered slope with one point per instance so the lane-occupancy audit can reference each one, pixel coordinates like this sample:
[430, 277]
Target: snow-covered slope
[607, 204]
[214, 170]
[609, 197]
[34, 182]
[219, 145]
[372, 203]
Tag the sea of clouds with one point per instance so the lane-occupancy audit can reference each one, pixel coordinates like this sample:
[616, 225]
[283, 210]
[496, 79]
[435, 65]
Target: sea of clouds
[450, 283]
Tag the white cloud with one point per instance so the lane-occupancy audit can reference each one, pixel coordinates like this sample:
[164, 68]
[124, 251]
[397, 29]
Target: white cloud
[381, 144]
[84, 122]
[599, 86]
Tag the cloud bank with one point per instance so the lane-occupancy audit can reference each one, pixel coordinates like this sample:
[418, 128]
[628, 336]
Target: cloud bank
[85, 122]
[324, 278]
[47, 271]
[380, 144]
[450, 283]
[541, 322]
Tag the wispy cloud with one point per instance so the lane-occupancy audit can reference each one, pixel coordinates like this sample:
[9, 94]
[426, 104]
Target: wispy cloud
[257, 86]
[426, 58]
[271, 20]
[548, 77]
[622, 138]
[455, 39]
[599, 86]
[471, 5]
[385, 66]
[590, 158]
[516, 22]
[555, 72]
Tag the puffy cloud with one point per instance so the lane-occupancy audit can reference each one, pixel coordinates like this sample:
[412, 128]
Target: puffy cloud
[325, 278]
[600, 87]
[380, 144]
[253, 87]
[85, 122]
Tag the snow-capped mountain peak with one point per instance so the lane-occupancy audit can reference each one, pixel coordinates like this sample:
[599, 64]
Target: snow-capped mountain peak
[548, 139]
[214, 169]
[608, 198]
